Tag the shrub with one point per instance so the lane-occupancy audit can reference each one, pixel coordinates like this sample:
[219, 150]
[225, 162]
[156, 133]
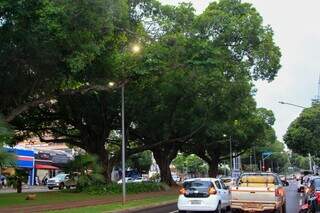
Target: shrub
[132, 188]
[88, 169]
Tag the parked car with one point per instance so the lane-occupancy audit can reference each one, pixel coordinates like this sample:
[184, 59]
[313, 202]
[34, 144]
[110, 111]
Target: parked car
[176, 178]
[257, 192]
[127, 179]
[139, 180]
[60, 181]
[72, 180]
[203, 194]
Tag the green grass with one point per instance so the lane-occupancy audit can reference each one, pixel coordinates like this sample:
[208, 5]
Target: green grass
[118, 206]
[14, 199]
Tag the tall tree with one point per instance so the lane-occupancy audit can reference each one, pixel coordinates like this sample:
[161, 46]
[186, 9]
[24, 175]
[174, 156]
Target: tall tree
[45, 45]
[58, 59]
[303, 134]
[203, 73]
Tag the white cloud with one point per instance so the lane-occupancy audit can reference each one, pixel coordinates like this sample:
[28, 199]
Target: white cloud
[295, 24]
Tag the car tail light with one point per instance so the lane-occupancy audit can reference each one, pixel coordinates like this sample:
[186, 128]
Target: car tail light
[182, 191]
[279, 192]
[318, 197]
[308, 190]
[212, 191]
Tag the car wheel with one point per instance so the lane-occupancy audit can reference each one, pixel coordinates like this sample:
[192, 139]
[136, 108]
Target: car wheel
[219, 210]
[284, 207]
[280, 210]
[50, 188]
[61, 186]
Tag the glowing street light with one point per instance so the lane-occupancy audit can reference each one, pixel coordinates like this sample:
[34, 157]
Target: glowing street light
[136, 48]
[111, 84]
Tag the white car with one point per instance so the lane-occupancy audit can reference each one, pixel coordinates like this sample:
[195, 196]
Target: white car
[176, 178]
[139, 180]
[204, 194]
[127, 179]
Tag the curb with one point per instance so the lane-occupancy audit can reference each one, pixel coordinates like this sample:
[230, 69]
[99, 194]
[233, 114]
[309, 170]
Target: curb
[146, 207]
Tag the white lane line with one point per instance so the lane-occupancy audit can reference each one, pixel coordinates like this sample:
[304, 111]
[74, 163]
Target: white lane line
[174, 211]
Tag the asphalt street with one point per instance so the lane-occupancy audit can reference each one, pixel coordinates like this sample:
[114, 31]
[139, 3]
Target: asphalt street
[294, 201]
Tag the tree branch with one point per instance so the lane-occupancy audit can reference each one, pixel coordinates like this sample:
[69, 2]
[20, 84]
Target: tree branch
[164, 142]
[234, 156]
[85, 89]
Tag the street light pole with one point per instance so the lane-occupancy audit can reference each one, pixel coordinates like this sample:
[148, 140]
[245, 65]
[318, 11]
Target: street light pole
[135, 48]
[123, 148]
[295, 105]
[230, 144]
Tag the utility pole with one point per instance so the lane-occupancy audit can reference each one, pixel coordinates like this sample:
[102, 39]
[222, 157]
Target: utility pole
[310, 162]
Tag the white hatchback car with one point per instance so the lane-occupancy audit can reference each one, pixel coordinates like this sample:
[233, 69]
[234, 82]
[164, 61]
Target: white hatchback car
[204, 194]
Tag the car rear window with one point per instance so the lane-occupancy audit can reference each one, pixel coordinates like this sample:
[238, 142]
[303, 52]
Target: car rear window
[316, 183]
[197, 188]
[197, 184]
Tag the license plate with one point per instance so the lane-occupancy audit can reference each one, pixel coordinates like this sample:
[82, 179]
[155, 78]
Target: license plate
[195, 202]
[252, 205]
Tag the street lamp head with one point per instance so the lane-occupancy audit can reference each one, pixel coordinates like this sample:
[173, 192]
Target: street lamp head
[136, 48]
[111, 84]
[224, 135]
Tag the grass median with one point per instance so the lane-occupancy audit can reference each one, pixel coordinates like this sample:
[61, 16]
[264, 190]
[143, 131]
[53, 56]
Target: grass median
[14, 199]
[147, 202]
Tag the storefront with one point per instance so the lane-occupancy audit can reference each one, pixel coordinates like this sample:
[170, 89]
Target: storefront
[25, 161]
[44, 166]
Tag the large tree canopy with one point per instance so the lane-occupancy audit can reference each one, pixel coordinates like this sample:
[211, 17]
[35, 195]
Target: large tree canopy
[47, 47]
[303, 134]
[193, 79]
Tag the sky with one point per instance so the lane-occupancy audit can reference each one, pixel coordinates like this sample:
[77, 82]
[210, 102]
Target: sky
[297, 33]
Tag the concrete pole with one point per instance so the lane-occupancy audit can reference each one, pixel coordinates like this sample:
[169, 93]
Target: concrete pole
[123, 149]
[230, 145]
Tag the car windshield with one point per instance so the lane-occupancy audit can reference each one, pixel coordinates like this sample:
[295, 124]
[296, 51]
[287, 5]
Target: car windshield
[197, 185]
[317, 184]
[60, 176]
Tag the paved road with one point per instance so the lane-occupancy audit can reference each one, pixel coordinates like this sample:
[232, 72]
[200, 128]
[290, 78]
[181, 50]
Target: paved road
[27, 189]
[294, 200]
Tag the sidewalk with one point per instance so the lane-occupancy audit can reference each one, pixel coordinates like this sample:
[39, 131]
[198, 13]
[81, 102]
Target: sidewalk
[83, 203]
[26, 188]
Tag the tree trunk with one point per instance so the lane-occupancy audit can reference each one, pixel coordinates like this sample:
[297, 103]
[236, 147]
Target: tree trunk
[163, 157]
[213, 167]
[97, 147]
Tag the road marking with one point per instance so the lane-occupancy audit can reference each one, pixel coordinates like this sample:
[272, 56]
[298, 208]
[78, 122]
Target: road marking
[300, 202]
[174, 211]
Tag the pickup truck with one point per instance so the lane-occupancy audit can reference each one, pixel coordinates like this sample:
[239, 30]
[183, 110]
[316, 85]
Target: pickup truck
[257, 192]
